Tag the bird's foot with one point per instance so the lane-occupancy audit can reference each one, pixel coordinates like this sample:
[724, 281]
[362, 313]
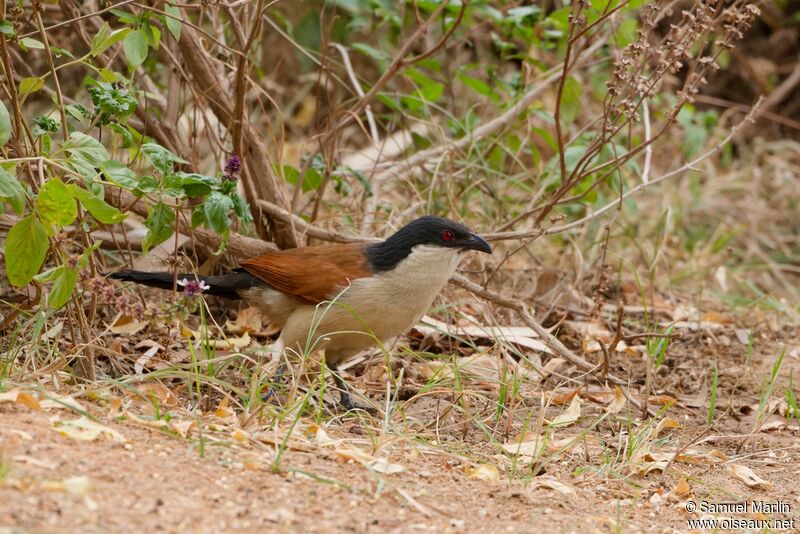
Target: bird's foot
[348, 404]
[277, 378]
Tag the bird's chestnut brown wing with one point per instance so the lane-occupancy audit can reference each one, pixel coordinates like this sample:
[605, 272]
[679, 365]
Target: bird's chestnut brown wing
[311, 274]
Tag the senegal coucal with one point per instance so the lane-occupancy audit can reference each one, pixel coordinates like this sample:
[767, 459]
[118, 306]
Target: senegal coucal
[378, 291]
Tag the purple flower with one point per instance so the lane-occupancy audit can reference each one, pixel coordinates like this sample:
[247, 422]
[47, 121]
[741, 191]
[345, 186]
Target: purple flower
[233, 168]
[192, 288]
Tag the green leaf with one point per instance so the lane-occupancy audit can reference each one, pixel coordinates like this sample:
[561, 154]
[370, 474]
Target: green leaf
[111, 100]
[196, 185]
[106, 38]
[152, 35]
[56, 204]
[241, 208]
[159, 225]
[161, 158]
[11, 191]
[96, 206]
[216, 209]
[378, 55]
[26, 247]
[118, 173]
[174, 25]
[86, 148]
[43, 125]
[27, 43]
[64, 279]
[7, 28]
[28, 86]
[135, 47]
[5, 124]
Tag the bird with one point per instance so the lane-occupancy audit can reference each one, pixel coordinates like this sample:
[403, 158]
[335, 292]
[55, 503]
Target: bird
[342, 298]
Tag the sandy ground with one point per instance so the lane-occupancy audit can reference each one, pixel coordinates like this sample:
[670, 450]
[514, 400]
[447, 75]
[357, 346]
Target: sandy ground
[451, 479]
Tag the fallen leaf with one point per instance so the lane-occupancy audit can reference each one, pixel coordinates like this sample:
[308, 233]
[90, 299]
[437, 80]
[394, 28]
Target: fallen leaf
[351, 453]
[619, 402]
[125, 325]
[570, 415]
[84, 429]
[748, 476]
[26, 399]
[141, 362]
[382, 465]
[682, 488]
[223, 410]
[552, 366]
[143, 421]
[666, 423]
[53, 400]
[30, 460]
[518, 335]
[489, 473]
[552, 483]
[529, 447]
[240, 435]
[183, 427]
[248, 320]
[231, 343]
[564, 398]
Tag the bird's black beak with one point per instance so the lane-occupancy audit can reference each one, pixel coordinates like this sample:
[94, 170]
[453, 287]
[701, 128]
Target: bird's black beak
[476, 242]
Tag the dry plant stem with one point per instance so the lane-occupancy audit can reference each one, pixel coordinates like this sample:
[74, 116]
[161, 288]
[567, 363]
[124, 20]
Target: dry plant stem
[373, 127]
[259, 179]
[52, 66]
[399, 62]
[521, 234]
[481, 132]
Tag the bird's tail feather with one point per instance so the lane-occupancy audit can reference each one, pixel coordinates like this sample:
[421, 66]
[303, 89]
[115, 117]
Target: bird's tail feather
[222, 286]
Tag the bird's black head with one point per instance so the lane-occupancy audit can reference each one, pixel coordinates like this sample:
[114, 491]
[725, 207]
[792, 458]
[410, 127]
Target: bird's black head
[427, 230]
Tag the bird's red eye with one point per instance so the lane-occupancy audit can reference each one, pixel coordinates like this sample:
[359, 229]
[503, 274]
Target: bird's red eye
[446, 235]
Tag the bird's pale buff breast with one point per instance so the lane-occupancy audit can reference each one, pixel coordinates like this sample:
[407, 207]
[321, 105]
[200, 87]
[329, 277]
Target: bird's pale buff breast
[379, 307]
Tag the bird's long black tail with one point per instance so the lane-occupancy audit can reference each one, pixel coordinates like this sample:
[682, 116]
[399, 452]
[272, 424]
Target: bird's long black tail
[222, 286]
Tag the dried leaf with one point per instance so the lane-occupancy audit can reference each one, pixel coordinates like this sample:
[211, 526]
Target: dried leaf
[570, 415]
[382, 465]
[183, 427]
[552, 483]
[489, 473]
[748, 476]
[552, 366]
[84, 429]
[351, 453]
[682, 488]
[141, 362]
[49, 400]
[619, 402]
[666, 423]
[30, 460]
[126, 325]
[240, 435]
[223, 410]
[562, 399]
[531, 446]
[231, 343]
[26, 399]
[518, 335]
[248, 320]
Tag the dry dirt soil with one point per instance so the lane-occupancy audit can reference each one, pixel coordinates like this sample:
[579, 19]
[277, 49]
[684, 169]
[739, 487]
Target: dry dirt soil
[444, 465]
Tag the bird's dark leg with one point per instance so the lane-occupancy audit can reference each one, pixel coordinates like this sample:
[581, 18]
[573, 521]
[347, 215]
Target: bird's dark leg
[277, 378]
[344, 394]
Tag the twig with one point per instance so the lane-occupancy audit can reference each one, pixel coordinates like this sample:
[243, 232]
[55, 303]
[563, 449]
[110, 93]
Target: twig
[522, 234]
[373, 127]
[648, 151]
[52, 66]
